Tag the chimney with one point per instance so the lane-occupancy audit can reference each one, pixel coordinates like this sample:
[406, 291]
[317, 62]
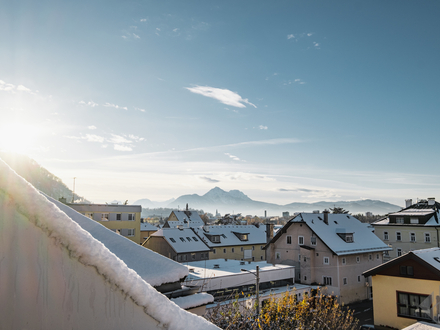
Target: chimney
[326, 212]
[431, 201]
[186, 206]
[269, 232]
[408, 202]
[265, 214]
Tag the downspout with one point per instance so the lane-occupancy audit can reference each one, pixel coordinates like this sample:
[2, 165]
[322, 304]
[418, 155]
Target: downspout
[339, 284]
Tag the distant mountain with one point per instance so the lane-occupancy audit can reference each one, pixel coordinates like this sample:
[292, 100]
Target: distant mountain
[39, 177]
[148, 204]
[236, 201]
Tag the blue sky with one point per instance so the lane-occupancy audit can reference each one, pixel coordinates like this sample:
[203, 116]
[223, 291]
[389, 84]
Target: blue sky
[284, 100]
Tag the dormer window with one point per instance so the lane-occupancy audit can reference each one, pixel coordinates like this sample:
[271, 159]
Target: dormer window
[213, 238]
[242, 236]
[400, 220]
[182, 239]
[414, 220]
[347, 237]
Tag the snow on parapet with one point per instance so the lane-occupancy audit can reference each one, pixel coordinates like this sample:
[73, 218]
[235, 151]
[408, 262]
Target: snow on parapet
[89, 251]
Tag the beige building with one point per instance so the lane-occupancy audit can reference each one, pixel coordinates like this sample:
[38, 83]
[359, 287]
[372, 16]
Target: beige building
[122, 219]
[238, 242]
[330, 250]
[406, 289]
[413, 228]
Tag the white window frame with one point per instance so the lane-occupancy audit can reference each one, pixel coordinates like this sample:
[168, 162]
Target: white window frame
[300, 240]
[385, 236]
[288, 239]
[131, 232]
[411, 235]
[398, 236]
[277, 255]
[358, 259]
[327, 280]
[131, 216]
[326, 260]
[400, 220]
[313, 240]
[104, 216]
[398, 252]
[414, 220]
[370, 257]
[344, 261]
[427, 237]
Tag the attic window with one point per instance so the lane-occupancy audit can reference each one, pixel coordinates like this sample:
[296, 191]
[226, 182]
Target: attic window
[223, 235]
[347, 237]
[437, 259]
[241, 236]
[336, 222]
[195, 239]
[213, 238]
[189, 239]
[320, 218]
[182, 239]
[172, 240]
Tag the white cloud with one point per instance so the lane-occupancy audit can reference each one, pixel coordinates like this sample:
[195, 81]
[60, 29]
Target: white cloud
[125, 37]
[118, 139]
[290, 36]
[262, 127]
[91, 127]
[94, 138]
[309, 34]
[136, 138]
[90, 103]
[136, 36]
[139, 109]
[122, 147]
[225, 96]
[22, 88]
[232, 156]
[175, 30]
[111, 105]
[143, 20]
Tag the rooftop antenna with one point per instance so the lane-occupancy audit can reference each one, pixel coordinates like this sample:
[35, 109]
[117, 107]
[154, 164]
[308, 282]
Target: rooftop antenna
[73, 193]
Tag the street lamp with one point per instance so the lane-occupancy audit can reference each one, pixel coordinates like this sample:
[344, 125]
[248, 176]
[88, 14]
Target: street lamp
[257, 278]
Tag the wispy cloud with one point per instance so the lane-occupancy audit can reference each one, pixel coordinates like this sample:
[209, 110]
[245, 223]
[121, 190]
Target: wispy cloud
[136, 36]
[91, 127]
[290, 36]
[299, 35]
[119, 147]
[143, 20]
[90, 103]
[209, 179]
[111, 105]
[225, 96]
[7, 87]
[262, 127]
[94, 138]
[232, 156]
[118, 139]
[139, 109]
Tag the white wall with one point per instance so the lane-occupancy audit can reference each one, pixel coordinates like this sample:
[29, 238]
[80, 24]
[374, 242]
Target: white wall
[42, 287]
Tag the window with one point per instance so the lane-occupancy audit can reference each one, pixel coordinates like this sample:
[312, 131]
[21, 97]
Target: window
[241, 249]
[313, 240]
[232, 250]
[130, 232]
[118, 216]
[278, 256]
[131, 216]
[370, 257]
[253, 247]
[414, 220]
[413, 305]
[349, 238]
[326, 261]
[224, 250]
[398, 236]
[193, 256]
[386, 253]
[182, 239]
[412, 237]
[289, 239]
[172, 240]
[261, 257]
[223, 235]
[427, 238]
[358, 259]
[359, 278]
[179, 258]
[253, 258]
[213, 251]
[377, 256]
[327, 280]
[400, 220]
[104, 217]
[195, 239]
[301, 240]
[305, 259]
[399, 252]
[406, 270]
[344, 261]
[385, 236]
[345, 281]
[89, 215]
[189, 239]
[184, 257]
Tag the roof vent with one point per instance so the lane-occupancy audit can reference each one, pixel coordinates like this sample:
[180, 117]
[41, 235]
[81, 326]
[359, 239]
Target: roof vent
[191, 270]
[226, 259]
[242, 263]
[216, 266]
[408, 202]
[431, 201]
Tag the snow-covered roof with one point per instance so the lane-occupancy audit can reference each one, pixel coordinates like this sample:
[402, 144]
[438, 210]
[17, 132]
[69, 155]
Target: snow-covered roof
[182, 240]
[194, 300]
[386, 221]
[146, 226]
[229, 238]
[186, 219]
[420, 325]
[151, 266]
[99, 208]
[430, 256]
[94, 245]
[414, 212]
[364, 240]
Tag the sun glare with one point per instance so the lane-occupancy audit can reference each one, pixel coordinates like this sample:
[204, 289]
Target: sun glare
[17, 138]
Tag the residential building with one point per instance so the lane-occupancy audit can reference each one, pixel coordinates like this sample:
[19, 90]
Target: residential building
[413, 228]
[331, 250]
[239, 242]
[406, 289]
[178, 244]
[184, 219]
[62, 270]
[124, 220]
[146, 230]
